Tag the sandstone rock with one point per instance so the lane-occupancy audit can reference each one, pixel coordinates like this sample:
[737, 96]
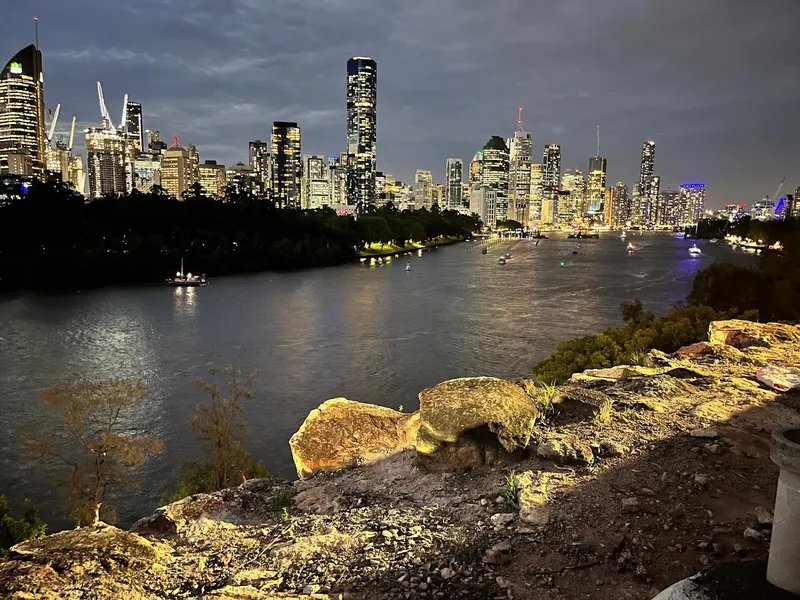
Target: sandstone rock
[534, 508]
[447, 573]
[697, 349]
[744, 334]
[752, 534]
[342, 433]
[623, 372]
[763, 516]
[460, 405]
[610, 448]
[630, 504]
[578, 403]
[709, 433]
[565, 449]
[502, 519]
[498, 554]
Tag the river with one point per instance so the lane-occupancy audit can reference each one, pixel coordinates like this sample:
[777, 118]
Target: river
[377, 334]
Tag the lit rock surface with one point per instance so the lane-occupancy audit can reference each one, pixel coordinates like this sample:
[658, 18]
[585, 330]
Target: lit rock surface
[673, 469]
[342, 433]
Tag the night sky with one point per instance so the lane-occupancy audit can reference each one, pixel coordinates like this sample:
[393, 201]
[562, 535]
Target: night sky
[714, 82]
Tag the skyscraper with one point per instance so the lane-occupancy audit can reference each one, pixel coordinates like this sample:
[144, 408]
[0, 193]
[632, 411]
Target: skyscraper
[133, 125]
[535, 205]
[362, 121]
[693, 197]
[494, 173]
[669, 208]
[551, 180]
[519, 175]
[652, 201]
[620, 206]
[596, 184]
[454, 168]
[648, 162]
[316, 189]
[213, 179]
[105, 158]
[475, 168]
[573, 205]
[176, 169]
[286, 164]
[260, 163]
[22, 130]
[423, 189]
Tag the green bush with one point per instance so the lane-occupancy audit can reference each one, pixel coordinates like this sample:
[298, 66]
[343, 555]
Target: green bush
[13, 531]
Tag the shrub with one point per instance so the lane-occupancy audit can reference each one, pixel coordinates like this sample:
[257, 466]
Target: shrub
[13, 531]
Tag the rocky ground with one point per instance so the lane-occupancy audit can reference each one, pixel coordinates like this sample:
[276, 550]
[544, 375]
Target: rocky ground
[627, 480]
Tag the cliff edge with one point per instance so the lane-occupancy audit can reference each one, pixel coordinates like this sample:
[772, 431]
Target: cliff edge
[613, 486]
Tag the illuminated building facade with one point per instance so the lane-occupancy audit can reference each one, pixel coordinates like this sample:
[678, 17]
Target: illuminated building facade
[669, 209]
[242, 180]
[154, 143]
[76, 176]
[652, 196]
[596, 184]
[22, 130]
[260, 160]
[423, 189]
[535, 204]
[692, 199]
[176, 170]
[362, 123]
[213, 178]
[287, 165]
[316, 186]
[647, 166]
[337, 169]
[483, 202]
[147, 171]
[454, 168]
[734, 212]
[621, 209]
[792, 205]
[494, 174]
[572, 205]
[519, 175]
[551, 181]
[133, 126]
[105, 158]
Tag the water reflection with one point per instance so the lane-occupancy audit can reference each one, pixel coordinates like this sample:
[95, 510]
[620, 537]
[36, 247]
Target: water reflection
[185, 301]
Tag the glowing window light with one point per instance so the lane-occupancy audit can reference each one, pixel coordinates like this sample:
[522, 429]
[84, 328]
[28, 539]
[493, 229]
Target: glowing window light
[16, 68]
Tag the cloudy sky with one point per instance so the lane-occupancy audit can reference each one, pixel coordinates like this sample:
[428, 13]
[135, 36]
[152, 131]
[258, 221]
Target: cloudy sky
[714, 82]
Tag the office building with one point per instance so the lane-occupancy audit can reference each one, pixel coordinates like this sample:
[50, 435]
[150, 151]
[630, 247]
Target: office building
[177, 170]
[572, 200]
[260, 162]
[77, 176]
[647, 165]
[494, 174]
[362, 122]
[213, 178]
[22, 129]
[154, 142]
[535, 204]
[692, 202]
[316, 186]
[194, 159]
[287, 165]
[475, 169]
[454, 170]
[551, 181]
[652, 196]
[241, 181]
[423, 189]
[621, 209]
[147, 171]
[669, 213]
[519, 175]
[596, 184]
[337, 169]
[792, 205]
[483, 202]
[133, 126]
[105, 159]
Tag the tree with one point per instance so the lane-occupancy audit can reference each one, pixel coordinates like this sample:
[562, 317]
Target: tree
[90, 445]
[13, 531]
[222, 433]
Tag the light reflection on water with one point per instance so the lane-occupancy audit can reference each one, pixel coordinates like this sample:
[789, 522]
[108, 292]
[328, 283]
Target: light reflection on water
[377, 335]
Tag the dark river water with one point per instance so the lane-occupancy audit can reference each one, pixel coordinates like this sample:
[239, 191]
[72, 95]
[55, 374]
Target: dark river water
[376, 334]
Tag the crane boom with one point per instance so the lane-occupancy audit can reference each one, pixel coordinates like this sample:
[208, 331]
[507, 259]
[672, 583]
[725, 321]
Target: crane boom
[103, 110]
[53, 122]
[123, 125]
[776, 195]
[72, 132]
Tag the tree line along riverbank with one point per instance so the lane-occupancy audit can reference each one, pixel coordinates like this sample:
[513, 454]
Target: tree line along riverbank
[52, 238]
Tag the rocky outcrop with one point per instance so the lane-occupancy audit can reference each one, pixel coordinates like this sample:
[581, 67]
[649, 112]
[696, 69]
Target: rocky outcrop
[343, 433]
[630, 480]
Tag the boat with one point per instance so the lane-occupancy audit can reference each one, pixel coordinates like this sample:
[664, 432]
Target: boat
[631, 247]
[578, 235]
[695, 251]
[502, 260]
[187, 280]
[484, 250]
[408, 266]
[623, 235]
[713, 241]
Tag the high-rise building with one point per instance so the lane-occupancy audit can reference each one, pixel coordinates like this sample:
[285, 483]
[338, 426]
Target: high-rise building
[494, 173]
[454, 169]
[287, 165]
[669, 208]
[337, 169]
[260, 160]
[76, 174]
[242, 180]
[176, 169]
[652, 196]
[147, 171]
[22, 130]
[648, 162]
[608, 207]
[483, 202]
[316, 186]
[551, 180]
[213, 178]
[133, 125]
[596, 184]
[638, 205]
[194, 159]
[519, 175]
[423, 189]
[572, 199]
[535, 204]
[154, 142]
[793, 205]
[693, 197]
[105, 157]
[362, 122]
[621, 209]
[475, 168]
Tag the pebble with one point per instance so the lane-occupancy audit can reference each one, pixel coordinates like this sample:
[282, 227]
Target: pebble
[752, 534]
[648, 492]
[700, 478]
[484, 502]
[763, 516]
[704, 433]
[447, 573]
[311, 588]
[502, 518]
[629, 503]
[502, 582]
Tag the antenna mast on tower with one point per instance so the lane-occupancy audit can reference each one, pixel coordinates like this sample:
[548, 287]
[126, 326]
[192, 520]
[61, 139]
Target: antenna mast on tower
[36, 29]
[598, 140]
[519, 118]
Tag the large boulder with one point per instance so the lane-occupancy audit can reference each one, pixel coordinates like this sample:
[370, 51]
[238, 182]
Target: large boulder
[454, 407]
[743, 334]
[343, 433]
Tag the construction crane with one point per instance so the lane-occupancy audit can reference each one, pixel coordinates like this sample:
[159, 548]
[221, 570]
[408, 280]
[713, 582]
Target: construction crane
[777, 193]
[123, 125]
[72, 132]
[107, 123]
[52, 130]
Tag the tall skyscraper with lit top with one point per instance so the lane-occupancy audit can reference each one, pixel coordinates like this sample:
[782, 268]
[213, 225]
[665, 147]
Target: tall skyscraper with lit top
[362, 128]
[22, 130]
[647, 166]
[519, 176]
[494, 173]
[287, 166]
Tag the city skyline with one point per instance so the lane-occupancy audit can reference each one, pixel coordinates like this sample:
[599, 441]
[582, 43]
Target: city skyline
[741, 97]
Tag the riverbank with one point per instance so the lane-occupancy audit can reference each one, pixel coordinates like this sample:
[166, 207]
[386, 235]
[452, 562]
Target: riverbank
[386, 250]
[623, 481]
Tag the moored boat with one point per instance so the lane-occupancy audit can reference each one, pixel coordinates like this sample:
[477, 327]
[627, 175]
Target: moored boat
[187, 280]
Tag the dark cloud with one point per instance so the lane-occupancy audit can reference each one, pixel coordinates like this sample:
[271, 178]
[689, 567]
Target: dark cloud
[714, 82]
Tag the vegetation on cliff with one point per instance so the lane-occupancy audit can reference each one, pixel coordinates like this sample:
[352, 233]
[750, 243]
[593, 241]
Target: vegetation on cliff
[52, 237]
[13, 531]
